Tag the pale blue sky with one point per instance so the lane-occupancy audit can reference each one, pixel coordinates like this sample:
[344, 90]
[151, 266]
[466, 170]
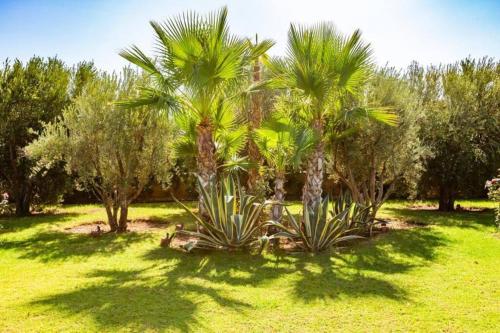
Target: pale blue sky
[399, 30]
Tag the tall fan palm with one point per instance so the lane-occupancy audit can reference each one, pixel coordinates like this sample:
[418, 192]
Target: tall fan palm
[199, 68]
[283, 145]
[254, 114]
[322, 68]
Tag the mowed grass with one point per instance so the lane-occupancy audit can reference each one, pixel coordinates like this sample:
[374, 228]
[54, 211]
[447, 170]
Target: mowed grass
[441, 277]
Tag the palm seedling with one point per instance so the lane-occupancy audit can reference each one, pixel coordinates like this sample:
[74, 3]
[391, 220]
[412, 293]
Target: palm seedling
[283, 145]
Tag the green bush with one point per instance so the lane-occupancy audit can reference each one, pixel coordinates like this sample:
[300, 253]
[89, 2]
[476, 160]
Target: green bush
[493, 187]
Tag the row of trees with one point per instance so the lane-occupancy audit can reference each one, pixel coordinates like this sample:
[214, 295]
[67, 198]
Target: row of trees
[214, 102]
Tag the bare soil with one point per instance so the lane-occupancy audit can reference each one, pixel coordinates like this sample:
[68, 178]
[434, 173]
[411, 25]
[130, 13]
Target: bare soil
[139, 225]
[458, 209]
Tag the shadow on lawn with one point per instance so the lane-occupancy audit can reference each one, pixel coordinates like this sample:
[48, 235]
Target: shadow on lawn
[139, 301]
[53, 245]
[465, 219]
[169, 294]
[15, 224]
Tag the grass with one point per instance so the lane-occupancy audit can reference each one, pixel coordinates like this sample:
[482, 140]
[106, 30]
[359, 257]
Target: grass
[441, 277]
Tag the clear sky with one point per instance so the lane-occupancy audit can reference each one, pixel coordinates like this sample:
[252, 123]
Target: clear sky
[399, 30]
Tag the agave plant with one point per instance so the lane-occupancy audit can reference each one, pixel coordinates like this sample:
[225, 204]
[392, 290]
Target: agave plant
[233, 217]
[319, 229]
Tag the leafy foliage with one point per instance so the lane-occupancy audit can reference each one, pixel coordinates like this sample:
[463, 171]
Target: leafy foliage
[234, 218]
[322, 72]
[113, 152]
[374, 158]
[493, 187]
[201, 69]
[461, 127]
[30, 95]
[284, 144]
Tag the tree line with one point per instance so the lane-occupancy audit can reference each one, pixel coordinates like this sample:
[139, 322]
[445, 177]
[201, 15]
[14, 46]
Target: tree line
[209, 103]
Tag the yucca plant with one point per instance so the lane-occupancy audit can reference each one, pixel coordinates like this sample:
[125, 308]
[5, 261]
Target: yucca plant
[319, 229]
[233, 217]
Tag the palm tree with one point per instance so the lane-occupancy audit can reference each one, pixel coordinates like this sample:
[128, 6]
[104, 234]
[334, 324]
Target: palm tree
[283, 145]
[229, 137]
[255, 111]
[322, 69]
[199, 69]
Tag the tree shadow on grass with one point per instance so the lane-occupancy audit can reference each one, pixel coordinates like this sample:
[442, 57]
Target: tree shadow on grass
[321, 278]
[53, 245]
[15, 224]
[138, 301]
[171, 292]
[396, 252]
[355, 271]
[344, 273]
[464, 219]
[238, 268]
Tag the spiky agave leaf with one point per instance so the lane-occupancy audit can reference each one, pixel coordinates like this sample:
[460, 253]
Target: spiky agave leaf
[318, 228]
[234, 217]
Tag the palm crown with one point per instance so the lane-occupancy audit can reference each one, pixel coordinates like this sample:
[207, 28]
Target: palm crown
[322, 65]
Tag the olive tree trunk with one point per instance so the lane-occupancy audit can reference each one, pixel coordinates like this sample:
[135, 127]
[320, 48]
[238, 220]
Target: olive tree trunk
[23, 200]
[111, 213]
[446, 199]
[122, 222]
[117, 216]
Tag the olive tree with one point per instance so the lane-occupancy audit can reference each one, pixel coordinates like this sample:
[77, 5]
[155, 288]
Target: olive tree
[30, 93]
[374, 157]
[461, 126]
[113, 152]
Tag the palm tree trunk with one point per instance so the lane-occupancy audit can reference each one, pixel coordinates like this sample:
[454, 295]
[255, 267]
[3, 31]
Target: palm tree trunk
[206, 160]
[279, 196]
[313, 186]
[254, 121]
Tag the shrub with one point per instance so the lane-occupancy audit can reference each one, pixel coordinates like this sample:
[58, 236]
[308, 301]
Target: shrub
[318, 229]
[233, 218]
[493, 187]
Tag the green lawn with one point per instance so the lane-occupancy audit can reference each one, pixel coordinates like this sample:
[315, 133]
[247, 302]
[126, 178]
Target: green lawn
[442, 277]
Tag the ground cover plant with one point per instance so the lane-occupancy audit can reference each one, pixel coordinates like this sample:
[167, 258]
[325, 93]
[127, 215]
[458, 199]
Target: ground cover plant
[439, 275]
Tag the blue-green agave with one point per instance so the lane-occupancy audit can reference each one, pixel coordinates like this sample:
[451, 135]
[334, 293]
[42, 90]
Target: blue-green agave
[234, 218]
[318, 229]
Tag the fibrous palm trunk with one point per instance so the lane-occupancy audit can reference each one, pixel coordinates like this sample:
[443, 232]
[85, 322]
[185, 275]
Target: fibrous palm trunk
[279, 196]
[254, 121]
[206, 160]
[313, 186]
